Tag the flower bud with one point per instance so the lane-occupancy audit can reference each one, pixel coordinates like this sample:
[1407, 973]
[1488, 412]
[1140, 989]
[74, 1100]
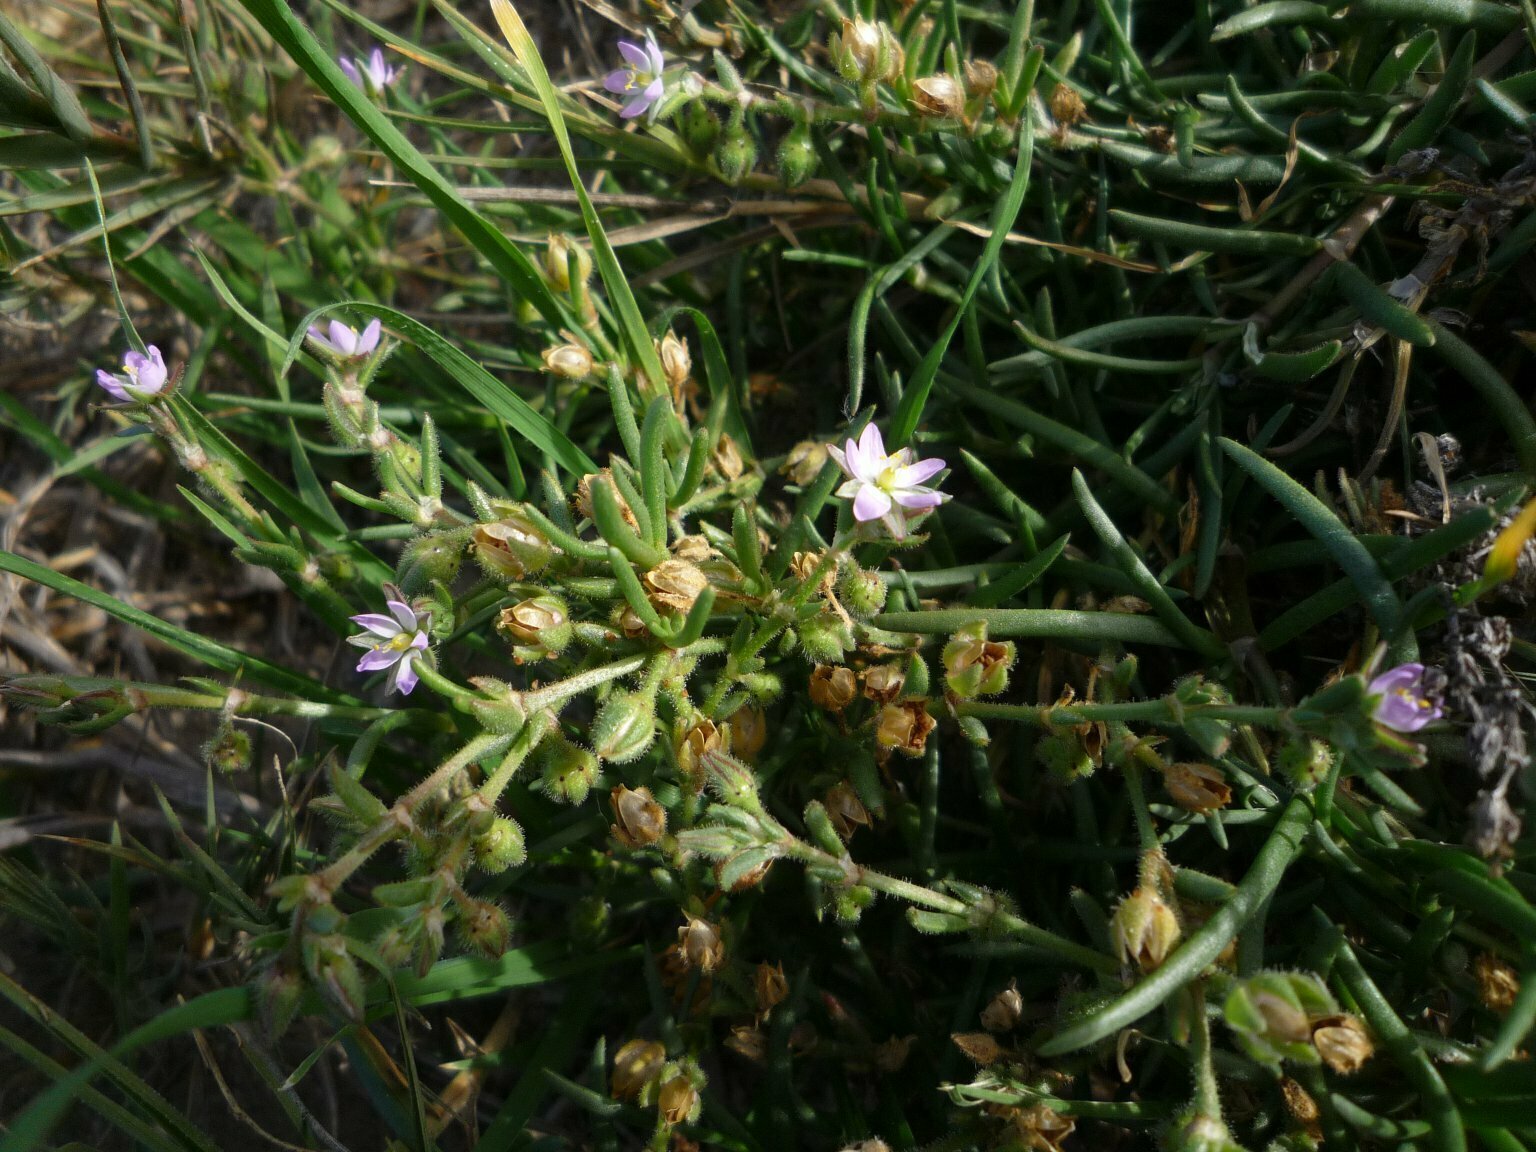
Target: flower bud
[975, 666]
[538, 628]
[824, 639]
[732, 782]
[1305, 761]
[484, 927]
[638, 819]
[700, 945]
[432, 557]
[883, 683]
[1271, 1015]
[1211, 735]
[675, 359]
[849, 903]
[229, 751]
[797, 156]
[624, 727]
[939, 95]
[748, 726]
[557, 266]
[673, 585]
[861, 591]
[736, 153]
[819, 829]
[770, 987]
[513, 547]
[569, 772]
[1343, 1043]
[903, 727]
[279, 991]
[1004, 1011]
[569, 361]
[501, 846]
[1144, 930]
[833, 687]
[335, 973]
[866, 53]
[636, 1065]
[1196, 787]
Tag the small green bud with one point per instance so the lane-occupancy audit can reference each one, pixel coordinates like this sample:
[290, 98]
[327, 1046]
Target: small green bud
[1062, 755]
[797, 156]
[557, 261]
[624, 727]
[501, 846]
[849, 903]
[569, 772]
[1271, 1015]
[736, 154]
[1211, 735]
[229, 751]
[819, 824]
[1201, 1133]
[500, 708]
[732, 782]
[824, 639]
[432, 556]
[861, 591]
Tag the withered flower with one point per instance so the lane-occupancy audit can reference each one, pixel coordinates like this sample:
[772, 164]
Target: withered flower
[980, 1047]
[638, 819]
[939, 95]
[676, 361]
[747, 1041]
[1497, 983]
[569, 361]
[1041, 1128]
[903, 727]
[530, 621]
[804, 462]
[845, 809]
[678, 1100]
[1067, 107]
[673, 585]
[635, 1065]
[727, 459]
[1342, 1042]
[584, 496]
[701, 946]
[1144, 929]
[770, 986]
[833, 687]
[980, 79]
[1004, 1011]
[883, 683]
[1196, 787]
[749, 731]
[512, 547]
[696, 740]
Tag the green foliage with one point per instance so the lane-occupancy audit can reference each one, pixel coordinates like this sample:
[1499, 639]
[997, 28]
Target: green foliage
[1220, 311]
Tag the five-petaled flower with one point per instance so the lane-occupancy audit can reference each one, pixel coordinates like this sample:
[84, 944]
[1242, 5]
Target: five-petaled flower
[395, 642]
[1402, 703]
[373, 75]
[345, 341]
[885, 487]
[640, 78]
[145, 374]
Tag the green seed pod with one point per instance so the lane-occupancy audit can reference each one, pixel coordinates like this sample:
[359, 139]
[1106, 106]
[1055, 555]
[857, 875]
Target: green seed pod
[512, 547]
[824, 639]
[861, 591]
[1144, 930]
[736, 154]
[624, 727]
[732, 782]
[432, 556]
[500, 709]
[975, 666]
[1305, 761]
[229, 751]
[557, 261]
[501, 846]
[484, 927]
[700, 127]
[1271, 1015]
[569, 772]
[1063, 756]
[797, 156]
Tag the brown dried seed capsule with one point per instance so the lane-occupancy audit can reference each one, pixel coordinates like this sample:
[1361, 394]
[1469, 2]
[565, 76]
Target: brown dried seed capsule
[673, 585]
[1196, 787]
[1497, 983]
[770, 986]
[939, 95]
[1144, 929]
[639, 820]
[979, 1046]
[1004, 1011]
[833, 687]
[701, 945]
[845, 809]
[677, 1100]
[1342, 1042]
[903, 727]
[883, 683]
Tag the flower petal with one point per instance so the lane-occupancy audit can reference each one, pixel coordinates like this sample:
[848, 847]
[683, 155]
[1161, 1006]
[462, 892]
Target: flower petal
[369, 340]
[838, 456]
[918, 497]
[113, 385]
[378, 658]
[849, 488]
[870, 504]
[656, 64]
[343, 337]
[402, 612]
[319, 337]
[1395, 678]
[655, 90]
[349, 70]
[617, 81]
[635, 107]
[405, 677]
[379, 624]
[873, 446]
[914, 474]
[635, 56]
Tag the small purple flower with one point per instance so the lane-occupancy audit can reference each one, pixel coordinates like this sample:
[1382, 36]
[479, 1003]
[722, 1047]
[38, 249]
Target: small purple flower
[395, 642]
[640, 78]
[146, 375]
[1401, 701]
[885, 487]
[373, 76]
[344, 341]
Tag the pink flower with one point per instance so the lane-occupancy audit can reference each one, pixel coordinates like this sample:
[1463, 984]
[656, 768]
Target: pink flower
[640, 78]
[344, 340]
[1401, 701]
[372, 76]
[885, 487]
[146, 375]
[395, 642]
